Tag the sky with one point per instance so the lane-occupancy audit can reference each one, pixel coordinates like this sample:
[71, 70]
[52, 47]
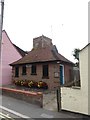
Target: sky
[64, 21]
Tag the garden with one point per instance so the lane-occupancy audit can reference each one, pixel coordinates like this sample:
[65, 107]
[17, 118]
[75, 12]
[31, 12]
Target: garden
[31, 84]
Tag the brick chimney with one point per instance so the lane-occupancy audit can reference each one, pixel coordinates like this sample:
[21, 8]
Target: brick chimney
[41, 42]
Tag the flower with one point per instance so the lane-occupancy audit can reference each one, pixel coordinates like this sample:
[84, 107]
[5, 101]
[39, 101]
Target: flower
[30, 84]
[42, 84]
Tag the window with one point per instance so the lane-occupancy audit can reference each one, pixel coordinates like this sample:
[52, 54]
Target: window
[16, 71]
[24, 70]
[33, 70]
[45, 71]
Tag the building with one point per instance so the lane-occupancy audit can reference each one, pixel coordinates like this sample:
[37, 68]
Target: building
[78, 98]
[10, 53]
[43, 63]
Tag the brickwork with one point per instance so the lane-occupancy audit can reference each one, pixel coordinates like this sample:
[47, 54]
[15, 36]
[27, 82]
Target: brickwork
[30, 97]
[68, 73]
[53, 81]
[42, 41]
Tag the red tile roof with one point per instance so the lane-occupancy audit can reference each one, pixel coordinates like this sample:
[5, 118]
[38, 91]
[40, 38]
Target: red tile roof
[41, 55]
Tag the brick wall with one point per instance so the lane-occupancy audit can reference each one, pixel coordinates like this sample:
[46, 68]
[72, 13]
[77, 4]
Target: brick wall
[68, 73]
[42, 41]
[53, 81]
[30, 97]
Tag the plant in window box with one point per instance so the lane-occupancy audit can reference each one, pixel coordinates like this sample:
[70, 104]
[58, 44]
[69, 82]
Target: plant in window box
[42, 84]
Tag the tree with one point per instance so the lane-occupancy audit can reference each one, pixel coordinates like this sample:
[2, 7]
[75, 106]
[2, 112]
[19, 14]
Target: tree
[76, 55]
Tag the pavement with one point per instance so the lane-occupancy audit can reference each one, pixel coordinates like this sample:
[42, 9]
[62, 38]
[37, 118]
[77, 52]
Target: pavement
[50, 101]
[21, 108]
[49, 109]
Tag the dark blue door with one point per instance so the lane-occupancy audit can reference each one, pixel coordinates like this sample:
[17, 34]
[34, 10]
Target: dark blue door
[61, 75]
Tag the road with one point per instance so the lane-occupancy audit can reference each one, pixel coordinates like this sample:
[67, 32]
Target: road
[20, 109]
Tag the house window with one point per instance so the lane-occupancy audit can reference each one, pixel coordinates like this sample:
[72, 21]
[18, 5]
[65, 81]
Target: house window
[16, 71]
[33, 70]
[45, 71]
[24, 70]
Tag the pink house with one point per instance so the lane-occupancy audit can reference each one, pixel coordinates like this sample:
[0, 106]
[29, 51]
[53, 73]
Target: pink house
[10, 53]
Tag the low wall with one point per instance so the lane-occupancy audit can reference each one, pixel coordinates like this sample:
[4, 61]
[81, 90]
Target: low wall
[74, 99]
[30, 97]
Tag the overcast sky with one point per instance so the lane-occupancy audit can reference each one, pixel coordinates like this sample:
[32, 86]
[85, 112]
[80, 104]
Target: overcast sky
[64, 21]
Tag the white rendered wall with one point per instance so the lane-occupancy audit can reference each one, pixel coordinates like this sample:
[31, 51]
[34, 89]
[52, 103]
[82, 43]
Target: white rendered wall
[78, 100]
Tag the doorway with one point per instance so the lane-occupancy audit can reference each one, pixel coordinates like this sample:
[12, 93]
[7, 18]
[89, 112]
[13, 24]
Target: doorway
[61, 74]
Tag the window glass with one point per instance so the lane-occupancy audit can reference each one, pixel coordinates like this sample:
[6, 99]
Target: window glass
[33, 69]
[24, 70]
[16, 71]
[45, 70]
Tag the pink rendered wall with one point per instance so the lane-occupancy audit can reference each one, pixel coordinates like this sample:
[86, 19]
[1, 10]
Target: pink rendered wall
[9, 55]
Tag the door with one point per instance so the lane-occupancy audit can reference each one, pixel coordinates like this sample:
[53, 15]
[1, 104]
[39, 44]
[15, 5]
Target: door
[61, 74]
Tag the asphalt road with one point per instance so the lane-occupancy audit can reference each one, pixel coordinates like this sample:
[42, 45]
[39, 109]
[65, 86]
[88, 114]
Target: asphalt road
[20, 109]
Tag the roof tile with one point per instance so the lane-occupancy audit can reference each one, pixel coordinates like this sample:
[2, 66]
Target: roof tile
[41, 55]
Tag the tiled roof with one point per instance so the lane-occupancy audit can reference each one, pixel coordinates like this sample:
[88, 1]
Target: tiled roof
[41, 55]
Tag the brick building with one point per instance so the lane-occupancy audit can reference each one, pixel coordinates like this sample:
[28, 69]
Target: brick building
[43, 63]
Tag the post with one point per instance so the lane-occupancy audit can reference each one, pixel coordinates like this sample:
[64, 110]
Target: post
[59, 99]
[1, 26]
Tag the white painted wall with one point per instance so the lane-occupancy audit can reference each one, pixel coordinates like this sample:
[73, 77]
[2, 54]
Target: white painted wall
[89, 79]
[74, 99]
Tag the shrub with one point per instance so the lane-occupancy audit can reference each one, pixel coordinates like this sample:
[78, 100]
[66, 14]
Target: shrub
[32, 84]
[24, 83]
[17, 82]
[42, 84]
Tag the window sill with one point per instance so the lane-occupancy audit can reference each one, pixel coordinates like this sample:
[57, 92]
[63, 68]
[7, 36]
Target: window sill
[76, 87]
[33, 74]
[16, 76]
[45, 77]
[24, 74]
[56, 77]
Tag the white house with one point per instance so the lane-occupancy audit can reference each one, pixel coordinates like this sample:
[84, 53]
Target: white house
[77, 99]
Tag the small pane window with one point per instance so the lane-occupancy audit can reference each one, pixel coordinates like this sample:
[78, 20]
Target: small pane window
[24, 70]
[16, 71]
[33, 70]
[45, 71]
